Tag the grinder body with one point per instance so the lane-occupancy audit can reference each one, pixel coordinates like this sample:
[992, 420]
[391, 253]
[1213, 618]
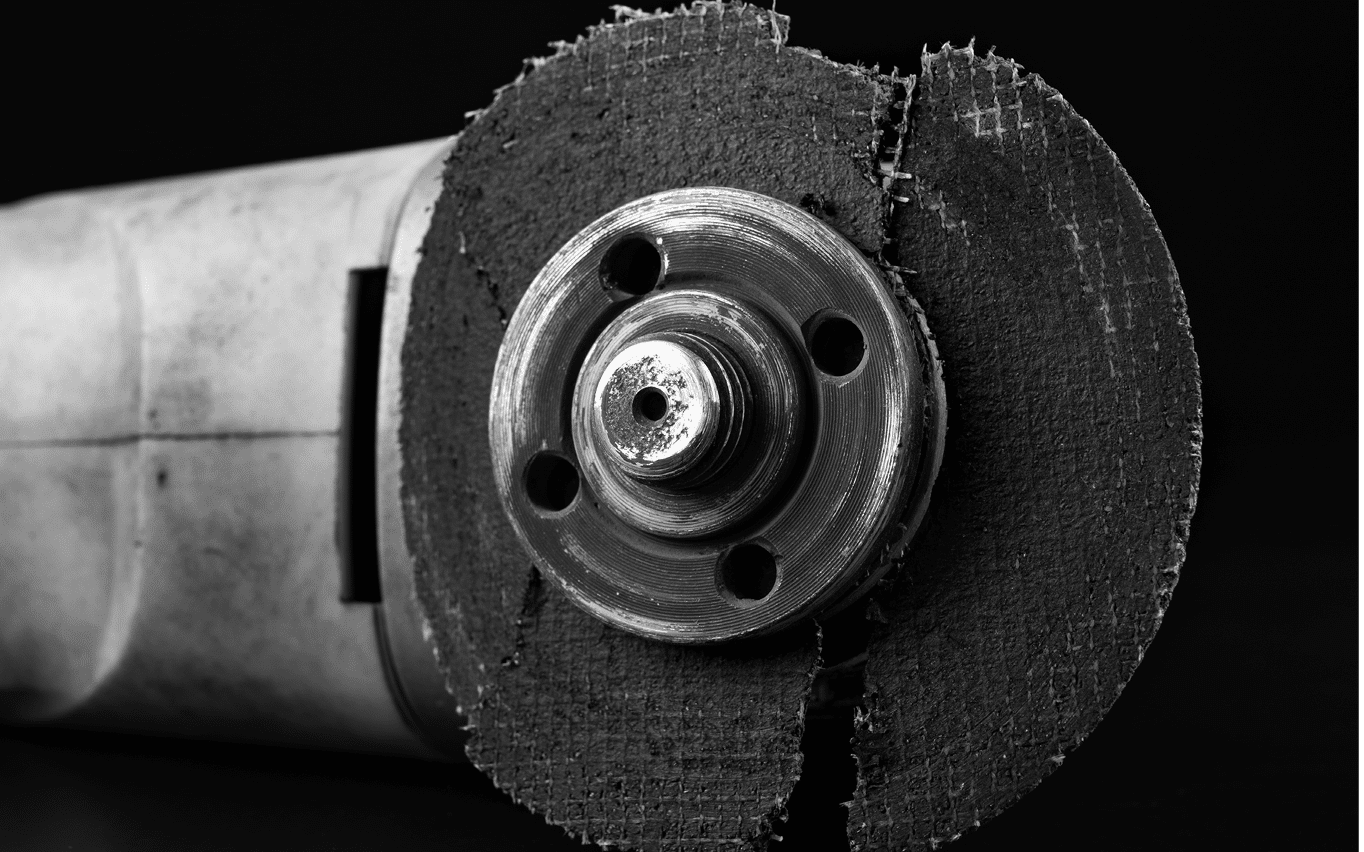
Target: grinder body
[181, 363]
[259, 480]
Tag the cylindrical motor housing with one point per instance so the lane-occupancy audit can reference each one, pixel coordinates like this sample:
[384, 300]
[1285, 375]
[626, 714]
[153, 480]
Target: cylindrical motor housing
[187, 458]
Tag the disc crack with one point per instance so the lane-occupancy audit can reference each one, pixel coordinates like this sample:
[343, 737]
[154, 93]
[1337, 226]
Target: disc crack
[817, 812]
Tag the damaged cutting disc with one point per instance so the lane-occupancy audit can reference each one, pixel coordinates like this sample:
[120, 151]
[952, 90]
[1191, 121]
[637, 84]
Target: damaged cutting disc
[1054, 531]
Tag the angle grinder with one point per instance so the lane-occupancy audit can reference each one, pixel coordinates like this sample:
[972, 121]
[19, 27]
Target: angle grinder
[702, 399]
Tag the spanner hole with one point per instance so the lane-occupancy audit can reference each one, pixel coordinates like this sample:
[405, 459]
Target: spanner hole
[748, 572]
[633, 265]
[837, 346]
[551, 481]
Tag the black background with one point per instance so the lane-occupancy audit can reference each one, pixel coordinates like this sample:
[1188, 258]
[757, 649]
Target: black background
[1239, 728]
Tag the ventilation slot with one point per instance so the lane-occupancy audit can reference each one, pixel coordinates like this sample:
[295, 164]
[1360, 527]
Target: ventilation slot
[357, 517]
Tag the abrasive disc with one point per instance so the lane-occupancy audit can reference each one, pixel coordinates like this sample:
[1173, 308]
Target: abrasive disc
[1055, 530]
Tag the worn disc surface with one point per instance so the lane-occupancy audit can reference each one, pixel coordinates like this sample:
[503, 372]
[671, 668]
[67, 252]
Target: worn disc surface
[1057, 525]
[1059, 519]
[619, 739]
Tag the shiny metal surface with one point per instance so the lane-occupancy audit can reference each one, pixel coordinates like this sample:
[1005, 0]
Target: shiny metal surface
[658, 408]
[759, 391]
[712, 417]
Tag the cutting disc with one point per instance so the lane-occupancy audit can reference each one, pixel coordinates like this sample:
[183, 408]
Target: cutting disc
[1055, 530]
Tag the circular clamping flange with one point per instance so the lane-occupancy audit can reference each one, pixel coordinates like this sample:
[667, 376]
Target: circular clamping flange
[710, 417]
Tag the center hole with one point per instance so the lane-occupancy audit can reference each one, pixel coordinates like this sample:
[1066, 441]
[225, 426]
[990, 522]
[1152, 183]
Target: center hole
[650, 405]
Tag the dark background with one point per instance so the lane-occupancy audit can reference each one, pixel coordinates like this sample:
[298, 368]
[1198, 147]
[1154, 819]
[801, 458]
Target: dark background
[1240, 726]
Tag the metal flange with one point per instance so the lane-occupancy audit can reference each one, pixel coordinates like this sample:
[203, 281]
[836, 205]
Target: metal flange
[710, 417]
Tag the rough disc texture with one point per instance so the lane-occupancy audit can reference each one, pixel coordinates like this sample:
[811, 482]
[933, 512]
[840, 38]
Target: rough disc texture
[1058, 522]
[1059, 519]
[618, 739]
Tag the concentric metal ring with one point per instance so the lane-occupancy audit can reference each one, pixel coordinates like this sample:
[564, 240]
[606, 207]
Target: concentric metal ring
[809, 458]
[657, 405]
[763, 393]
